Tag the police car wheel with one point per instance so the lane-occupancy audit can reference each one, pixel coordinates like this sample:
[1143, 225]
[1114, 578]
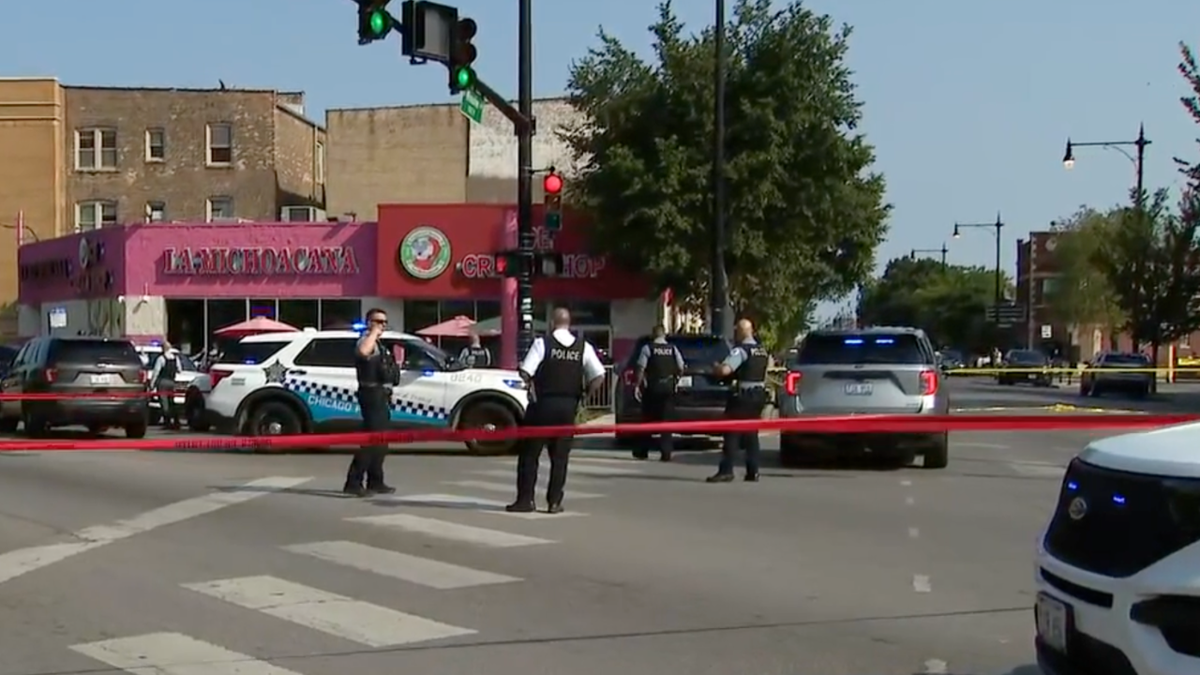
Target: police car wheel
[273, 418]
[488, 415]
[193, 412]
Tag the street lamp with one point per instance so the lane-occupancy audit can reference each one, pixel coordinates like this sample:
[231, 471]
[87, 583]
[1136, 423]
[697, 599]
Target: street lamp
[1138, 159]
[943, 251]
[998, 226]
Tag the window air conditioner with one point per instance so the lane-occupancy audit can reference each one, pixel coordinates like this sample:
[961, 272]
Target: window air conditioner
[301, 214]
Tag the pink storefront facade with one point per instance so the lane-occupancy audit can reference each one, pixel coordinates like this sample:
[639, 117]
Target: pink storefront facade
[184, 282]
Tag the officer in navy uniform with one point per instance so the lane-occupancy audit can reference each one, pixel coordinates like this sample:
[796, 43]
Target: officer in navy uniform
[557, 371]
[659, 367]
[475, 355]
[377, 373]
[747, 364]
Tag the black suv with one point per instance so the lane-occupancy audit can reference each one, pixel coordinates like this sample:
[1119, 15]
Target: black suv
[701, 396]
[81, 370]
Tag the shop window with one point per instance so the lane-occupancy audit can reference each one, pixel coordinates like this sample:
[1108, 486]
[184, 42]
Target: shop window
[300, 313]
[584, 313]
[185, 325]
[264, 308]
[224, 313]
[486, 309]
[451, 308]
[337, 353]
[339, 314]
[420, 314]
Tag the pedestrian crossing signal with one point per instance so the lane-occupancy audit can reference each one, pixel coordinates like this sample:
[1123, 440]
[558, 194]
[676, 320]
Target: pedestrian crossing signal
[514, 264]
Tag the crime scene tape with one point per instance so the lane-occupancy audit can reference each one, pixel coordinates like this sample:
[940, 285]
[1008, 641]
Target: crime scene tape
[854, 424]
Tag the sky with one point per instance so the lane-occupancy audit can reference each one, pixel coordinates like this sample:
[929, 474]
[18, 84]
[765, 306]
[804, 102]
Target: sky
[969, 104]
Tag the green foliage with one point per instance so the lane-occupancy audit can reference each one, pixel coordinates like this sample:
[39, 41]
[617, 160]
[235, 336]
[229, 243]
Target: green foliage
[1190, 70]
[949, 302]
[1081, 294]
[805, 212]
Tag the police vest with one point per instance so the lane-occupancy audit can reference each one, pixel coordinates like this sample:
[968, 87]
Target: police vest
[378, 370]
[561, 370]
[170, 368]
[754, 368]
[476, 357]
[662, 370]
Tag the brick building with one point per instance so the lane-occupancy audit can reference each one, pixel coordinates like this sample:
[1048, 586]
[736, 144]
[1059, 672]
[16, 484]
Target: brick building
[77, 159]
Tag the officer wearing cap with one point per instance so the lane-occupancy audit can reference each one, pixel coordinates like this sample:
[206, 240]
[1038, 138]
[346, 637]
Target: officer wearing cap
[659, 366]
[747, 364]
[555, 371]
[377, 372]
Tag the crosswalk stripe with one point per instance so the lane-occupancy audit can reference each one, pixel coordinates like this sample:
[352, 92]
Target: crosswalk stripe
[174, 654]
[511, 474]
[442, 529]
[413, 569]
[508, 487]
[594, 467]
[1038, 470]
[476, 504]
[330, 613]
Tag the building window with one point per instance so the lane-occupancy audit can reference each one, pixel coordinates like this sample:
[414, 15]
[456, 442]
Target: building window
[95, 149]
[156, 145]
[220, 144]
[95, 215]
[320, 163]
[156, 212]
[220, 210]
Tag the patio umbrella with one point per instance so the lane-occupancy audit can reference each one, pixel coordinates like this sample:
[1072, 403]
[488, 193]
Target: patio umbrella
[256, 326]
[492, 326]
[459, 326]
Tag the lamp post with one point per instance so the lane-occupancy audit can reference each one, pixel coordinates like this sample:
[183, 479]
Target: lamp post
[998, 226]
[1138, 158]
[718, 277]
[943, 251]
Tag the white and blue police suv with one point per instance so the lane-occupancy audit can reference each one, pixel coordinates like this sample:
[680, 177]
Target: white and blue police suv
[1118, 567]
[304, 382]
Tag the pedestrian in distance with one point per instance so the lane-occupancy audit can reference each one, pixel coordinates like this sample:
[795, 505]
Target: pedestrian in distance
[475, 355]
[162, 377]
[746, 365]
[558, 370]
[659, 367]
[377, 372]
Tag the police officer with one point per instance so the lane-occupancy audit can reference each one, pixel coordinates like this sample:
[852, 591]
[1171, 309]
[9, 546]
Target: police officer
[747, 363]
[377, 373]
[555, 370]
[475, 355]
[659, 366]
[166, 366]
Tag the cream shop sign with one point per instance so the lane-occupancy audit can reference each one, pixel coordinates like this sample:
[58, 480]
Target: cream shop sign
[261, 261]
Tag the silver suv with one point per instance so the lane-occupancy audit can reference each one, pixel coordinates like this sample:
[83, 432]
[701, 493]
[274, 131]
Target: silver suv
[874, 371]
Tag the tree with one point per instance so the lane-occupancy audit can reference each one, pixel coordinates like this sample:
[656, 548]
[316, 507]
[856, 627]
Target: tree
[949, 302]
[1081, 295]
[806, 213]
[1190, 70]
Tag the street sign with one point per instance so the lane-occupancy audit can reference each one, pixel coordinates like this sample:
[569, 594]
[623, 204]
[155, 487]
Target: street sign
[1047, 332]
[472, 106]
[1006, 314]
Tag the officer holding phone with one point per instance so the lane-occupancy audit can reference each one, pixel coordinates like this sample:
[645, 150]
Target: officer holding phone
[747, 365]
[377, 373]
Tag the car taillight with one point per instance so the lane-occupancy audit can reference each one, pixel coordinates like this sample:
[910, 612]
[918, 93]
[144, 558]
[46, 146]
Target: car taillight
[627, 377]
[216, 375]
[929, 382]
[51, 374]
[143, 376]
[791, 383]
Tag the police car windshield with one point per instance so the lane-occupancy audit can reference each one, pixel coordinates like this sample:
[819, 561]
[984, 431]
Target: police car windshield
[848, 348]
[149, 356]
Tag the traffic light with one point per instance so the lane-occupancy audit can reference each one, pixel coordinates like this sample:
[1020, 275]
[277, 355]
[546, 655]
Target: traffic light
[547, 264]
[513, 264]
[374, 21]
[552, 185]
[462, 56]
[508, 264]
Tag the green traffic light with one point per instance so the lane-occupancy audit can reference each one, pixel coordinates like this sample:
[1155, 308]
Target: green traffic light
[463, 77]
[378, 22]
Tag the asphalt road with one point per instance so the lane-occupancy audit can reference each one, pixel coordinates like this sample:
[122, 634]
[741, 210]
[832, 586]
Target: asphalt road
[203, 564]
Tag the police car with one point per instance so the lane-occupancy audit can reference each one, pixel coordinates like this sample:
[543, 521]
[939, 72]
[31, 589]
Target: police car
[302, 382]
[1116, 568]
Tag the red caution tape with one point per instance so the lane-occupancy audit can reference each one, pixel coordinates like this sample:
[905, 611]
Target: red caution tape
[857, 424]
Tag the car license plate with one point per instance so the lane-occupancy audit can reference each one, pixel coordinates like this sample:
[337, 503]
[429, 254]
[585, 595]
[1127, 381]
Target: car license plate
[1053, 621]
[858, 389]
[685, 381]
[104, 379]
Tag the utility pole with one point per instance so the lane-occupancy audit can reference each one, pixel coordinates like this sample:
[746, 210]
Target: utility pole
[525, 131]
[718, 277]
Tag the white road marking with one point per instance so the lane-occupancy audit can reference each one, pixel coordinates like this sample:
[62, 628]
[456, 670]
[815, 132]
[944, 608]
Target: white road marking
[909, 501]
[921, 584]
[22, 561]
[913, 533]
[906, 483]
[935, 667]
[986, 446]
[576, 456]
[1038, 469]
[512, 475]
[508, 488]
[594, 470]
[174, 654]
[441, 529]
[477, 504]
[330, 613]
[420, 571]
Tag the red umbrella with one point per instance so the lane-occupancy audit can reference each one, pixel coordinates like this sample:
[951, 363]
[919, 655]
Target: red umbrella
[255, 326]
[459, 326]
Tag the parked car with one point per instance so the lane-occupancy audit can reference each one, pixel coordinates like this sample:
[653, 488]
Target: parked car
[883, 371]
[1025, 365]
[79, 369]
[183, 378]
[1117, 372]
[700, 397]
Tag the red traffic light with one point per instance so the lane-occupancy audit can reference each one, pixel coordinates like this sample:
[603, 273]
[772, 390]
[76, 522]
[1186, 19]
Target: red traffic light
[501, 265]
[552, 184]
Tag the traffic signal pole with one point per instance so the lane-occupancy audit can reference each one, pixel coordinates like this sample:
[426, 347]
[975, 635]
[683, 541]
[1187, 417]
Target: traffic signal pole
[525, 130]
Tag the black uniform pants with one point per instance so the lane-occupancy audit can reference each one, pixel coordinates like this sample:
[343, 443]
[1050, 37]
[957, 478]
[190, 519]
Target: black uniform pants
[546, 412]
[165, 388]
[367, 464]
[658, 405]
[746, 404]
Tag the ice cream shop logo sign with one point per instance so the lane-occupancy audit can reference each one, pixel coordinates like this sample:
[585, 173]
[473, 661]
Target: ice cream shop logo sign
[247, 261]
